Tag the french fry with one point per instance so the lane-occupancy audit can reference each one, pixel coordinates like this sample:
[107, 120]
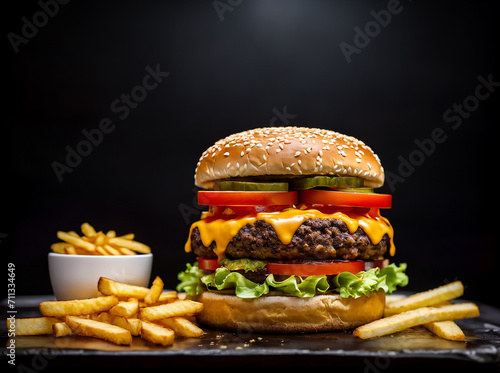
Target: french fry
[426, 298]
[126, 251]
[109, 287]
[133, 325]
[154, 291]
[446, 329]
[70, 250]
[167, 297]
[99, 239]
[157, 334]
[35, 325]
[126, 309]
[88, 230]
[177, 308]
[110, 234]
[111, 250]
[128, 236]
[98, 329]
[182, 327]
[419, 316]
[101, 250]
[76, 241]
[59, 247]
[130, 244]
[77, 307]
[61, 329]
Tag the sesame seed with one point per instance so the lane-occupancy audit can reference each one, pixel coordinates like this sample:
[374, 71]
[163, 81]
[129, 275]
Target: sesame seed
[297, 153]
[242, 153]
[288, 168]
[320, 153]
[299, 162]
[226, 154]
[278, 150]
[228, 164]
[281, 146]
[358, 160]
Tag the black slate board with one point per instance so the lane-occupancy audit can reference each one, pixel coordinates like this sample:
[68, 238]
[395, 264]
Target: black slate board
[413, 347]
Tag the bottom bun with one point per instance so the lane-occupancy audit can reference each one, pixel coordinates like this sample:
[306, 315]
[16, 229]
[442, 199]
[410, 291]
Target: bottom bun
[288, 314]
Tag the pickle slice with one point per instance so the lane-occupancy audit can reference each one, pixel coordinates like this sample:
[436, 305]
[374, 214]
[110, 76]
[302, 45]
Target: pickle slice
[355, 190]
[250, 186]
[327, 182]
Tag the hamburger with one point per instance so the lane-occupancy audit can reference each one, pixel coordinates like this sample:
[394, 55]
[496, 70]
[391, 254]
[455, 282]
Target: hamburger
[292, 240]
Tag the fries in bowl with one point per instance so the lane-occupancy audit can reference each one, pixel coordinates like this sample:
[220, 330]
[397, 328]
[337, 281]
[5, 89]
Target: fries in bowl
[97, 243]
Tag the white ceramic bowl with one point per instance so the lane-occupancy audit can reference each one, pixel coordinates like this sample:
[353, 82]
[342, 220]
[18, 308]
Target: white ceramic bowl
[76, 276]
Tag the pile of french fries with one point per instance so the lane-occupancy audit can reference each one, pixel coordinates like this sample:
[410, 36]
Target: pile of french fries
[122, 312]
[97, 243]
[430, 308]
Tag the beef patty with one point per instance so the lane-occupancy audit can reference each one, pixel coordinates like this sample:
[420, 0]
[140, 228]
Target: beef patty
[314, 239]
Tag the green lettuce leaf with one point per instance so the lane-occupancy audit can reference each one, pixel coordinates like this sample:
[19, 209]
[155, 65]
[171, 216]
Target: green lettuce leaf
[223, 279]
[354, 285]
[190, 280]
[193, 282]
[300, 287]
[395, 276]
[366, 282]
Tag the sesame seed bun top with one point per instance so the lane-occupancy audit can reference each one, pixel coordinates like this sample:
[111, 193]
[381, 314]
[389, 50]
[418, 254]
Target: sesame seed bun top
[288, 151]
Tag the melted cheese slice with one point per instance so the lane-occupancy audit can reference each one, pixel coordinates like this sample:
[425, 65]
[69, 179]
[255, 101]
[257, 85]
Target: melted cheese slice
[285, 223]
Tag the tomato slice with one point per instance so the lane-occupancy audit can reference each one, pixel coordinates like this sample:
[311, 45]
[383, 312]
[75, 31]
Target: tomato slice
[315, 268]
[208, 264]
[227, 211]
[336, 198]
[382, 263]
[307, 267]
[233, 198]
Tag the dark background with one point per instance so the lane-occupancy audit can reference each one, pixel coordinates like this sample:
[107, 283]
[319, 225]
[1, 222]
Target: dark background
[233, 72]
